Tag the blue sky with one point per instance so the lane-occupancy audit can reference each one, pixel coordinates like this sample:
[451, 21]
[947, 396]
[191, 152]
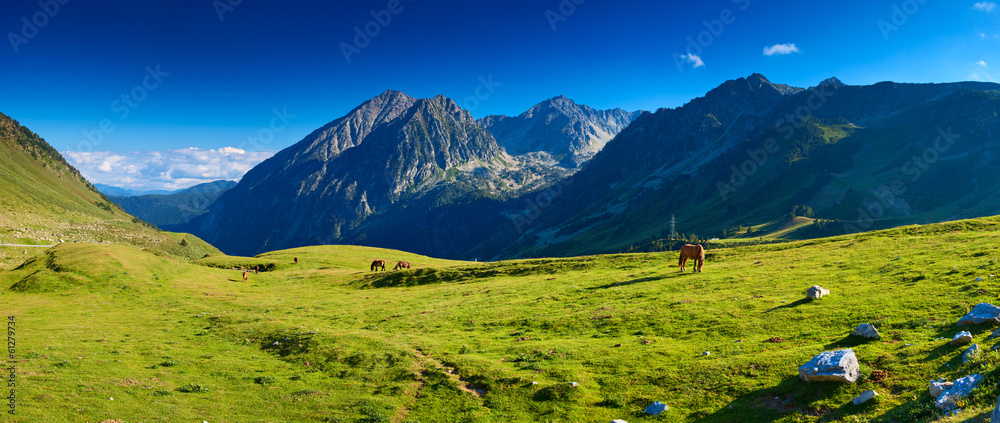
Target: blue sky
[152, 94]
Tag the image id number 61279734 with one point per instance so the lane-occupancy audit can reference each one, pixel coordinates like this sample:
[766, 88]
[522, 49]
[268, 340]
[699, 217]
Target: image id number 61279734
[12, 351]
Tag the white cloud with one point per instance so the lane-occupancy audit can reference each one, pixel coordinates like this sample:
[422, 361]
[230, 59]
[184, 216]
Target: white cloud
[787, 48]
[982, 63]
[165, 170]
[985, 6]
[695, 60]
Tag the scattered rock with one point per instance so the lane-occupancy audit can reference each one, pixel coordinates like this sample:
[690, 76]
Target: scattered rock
[775, 340]
[982, 312]
[939, 387]
[816, 291]
[706, 353]
[864, 397]
[995, 334]
[979, 279]
[656, 408]
[970, 352]
[963, 337]
[866, 330]
[831, 366]
[574, 384]
[962, 387]
[618, 421]
[534, 382]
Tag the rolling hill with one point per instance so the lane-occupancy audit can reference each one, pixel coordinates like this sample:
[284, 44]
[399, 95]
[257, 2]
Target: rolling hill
[44, 201]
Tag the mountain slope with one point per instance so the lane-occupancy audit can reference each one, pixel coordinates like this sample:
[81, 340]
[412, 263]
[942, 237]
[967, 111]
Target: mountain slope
[44, 200]
[392, 158]
[174, 208]
[568, 132]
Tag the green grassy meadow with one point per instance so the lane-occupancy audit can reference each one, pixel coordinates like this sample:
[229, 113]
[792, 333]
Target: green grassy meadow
[115, 333]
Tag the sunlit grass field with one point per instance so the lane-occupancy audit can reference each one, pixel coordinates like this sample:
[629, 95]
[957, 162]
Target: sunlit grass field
[109, 332]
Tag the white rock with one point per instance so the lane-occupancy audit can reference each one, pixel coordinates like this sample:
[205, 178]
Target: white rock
[866, 330]
[938, 387]
[656, 408]
[574, 384]
[963, 337]
[534, 382]
[618, 421]
[982, 312]
[970, 352]
[864, 397]
[962, 387]
[706, 353]
[831, 366]
[816, 291]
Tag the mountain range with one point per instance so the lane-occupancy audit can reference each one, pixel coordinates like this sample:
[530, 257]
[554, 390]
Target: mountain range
[173, 207]
[422, 175]
[559, 128]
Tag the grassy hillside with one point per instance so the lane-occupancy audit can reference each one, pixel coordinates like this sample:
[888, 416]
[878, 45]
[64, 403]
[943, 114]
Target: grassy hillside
[328, 341]
[45, 201]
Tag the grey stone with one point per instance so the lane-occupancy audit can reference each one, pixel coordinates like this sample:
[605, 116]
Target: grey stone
[939, 387]
[831, 366]
[866, 330]
[995, 334]
[982, 312]
[816, 291]
[962, 388]
[963, 337]
[656, 408]
[970, 352]
[864, 397]
[618, 421]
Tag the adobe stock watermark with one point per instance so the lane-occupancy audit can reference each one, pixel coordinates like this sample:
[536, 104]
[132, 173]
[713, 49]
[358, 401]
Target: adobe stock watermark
[12, 351]
[280, 119]
[487, 86]
[38, 20]
[901, 14]
[225, 6]
[713, 30]
[787, 126]
[363, 37]
[875, 206]
[562, 12]
[123, 107]
[537, 203]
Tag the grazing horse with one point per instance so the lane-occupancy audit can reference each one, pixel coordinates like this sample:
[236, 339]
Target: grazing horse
[245, 274]
[296, 260]
[378, 263]
[402, 265]
[694, 252]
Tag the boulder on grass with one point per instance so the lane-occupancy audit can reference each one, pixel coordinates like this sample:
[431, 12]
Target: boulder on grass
[970, 352]
[816, 291]
[939, 387]
[963, 337]
[961, 389]
[656, 408]
[831, 366]
[866, 330]
[981, 313]
[864, 397]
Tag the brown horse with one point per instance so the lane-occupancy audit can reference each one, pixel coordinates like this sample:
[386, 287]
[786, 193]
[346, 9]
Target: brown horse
[245, 274]
[402, 265]
[296, 260]
[694, 252]
[378, 263]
